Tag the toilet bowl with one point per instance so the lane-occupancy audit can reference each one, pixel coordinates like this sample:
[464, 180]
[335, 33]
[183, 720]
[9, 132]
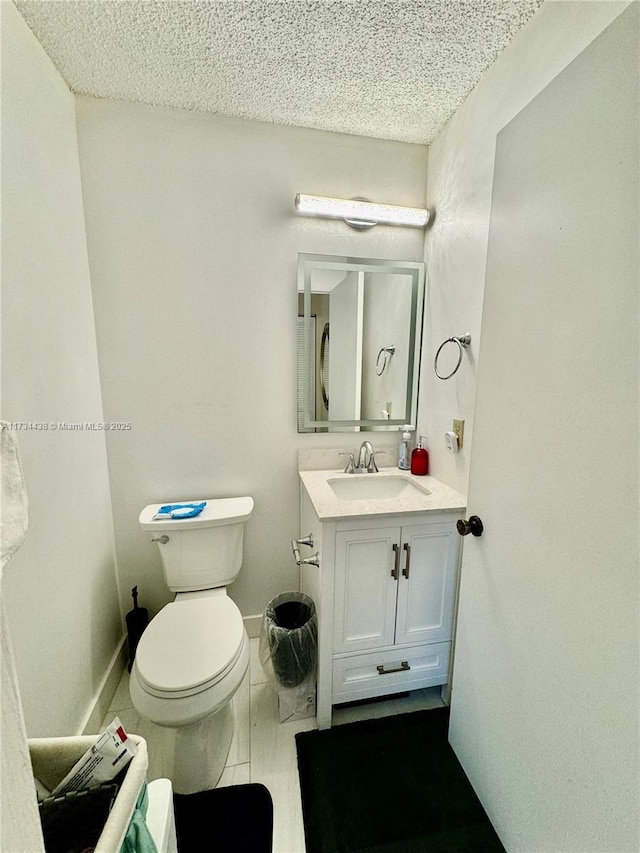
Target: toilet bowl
[194, 654]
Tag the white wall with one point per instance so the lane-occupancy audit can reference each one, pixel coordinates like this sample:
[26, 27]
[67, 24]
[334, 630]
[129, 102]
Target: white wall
[59, 591]
[193, 244]
[459, 182]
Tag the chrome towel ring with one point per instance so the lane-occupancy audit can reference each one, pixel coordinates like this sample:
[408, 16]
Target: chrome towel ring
[382, 366]
[462, 341]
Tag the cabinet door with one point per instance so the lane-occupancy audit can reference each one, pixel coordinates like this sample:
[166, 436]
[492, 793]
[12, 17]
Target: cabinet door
[426, 587]
[365, 589]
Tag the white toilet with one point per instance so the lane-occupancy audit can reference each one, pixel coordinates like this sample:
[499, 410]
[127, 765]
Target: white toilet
[194, 654]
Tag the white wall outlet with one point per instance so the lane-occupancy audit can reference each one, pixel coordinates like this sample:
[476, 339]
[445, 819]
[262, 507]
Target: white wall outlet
[458, 428]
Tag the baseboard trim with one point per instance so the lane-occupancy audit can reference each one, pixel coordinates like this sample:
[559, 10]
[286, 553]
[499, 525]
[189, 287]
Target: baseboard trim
[253, 624]
[101, 701]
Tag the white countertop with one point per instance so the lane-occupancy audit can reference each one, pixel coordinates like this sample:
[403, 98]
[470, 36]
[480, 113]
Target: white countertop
[329, 507]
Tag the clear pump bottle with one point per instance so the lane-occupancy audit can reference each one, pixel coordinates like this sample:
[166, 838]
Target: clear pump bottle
[404, 448]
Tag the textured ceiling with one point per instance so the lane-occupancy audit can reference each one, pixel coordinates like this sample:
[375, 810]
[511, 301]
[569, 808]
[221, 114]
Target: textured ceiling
[394, 69]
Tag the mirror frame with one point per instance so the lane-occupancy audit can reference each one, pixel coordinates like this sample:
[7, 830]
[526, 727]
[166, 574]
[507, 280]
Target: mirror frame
[416, 269]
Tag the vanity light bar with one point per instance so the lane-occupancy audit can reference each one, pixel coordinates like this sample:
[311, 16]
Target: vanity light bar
[360, 213]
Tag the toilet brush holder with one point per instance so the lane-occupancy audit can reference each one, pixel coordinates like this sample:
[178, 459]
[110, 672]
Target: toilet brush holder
[137, 620]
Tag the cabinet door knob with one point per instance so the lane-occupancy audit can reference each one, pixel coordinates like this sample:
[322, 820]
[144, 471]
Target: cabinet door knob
[473, 525]
[396, 561]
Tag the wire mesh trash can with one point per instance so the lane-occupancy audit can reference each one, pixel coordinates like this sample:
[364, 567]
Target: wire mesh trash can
[289, 650]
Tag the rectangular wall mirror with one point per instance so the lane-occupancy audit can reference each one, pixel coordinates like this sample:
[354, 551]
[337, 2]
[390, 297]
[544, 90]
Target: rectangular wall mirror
[359, 335]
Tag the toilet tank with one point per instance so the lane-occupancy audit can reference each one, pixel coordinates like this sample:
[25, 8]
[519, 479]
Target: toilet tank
[202, 552]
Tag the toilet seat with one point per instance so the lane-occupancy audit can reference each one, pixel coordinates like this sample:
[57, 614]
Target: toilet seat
[189, 646]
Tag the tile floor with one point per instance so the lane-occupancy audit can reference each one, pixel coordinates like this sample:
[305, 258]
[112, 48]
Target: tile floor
[263, 749]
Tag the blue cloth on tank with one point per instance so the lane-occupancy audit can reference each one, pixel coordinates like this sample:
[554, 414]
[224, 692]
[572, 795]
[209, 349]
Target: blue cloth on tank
[179, 510]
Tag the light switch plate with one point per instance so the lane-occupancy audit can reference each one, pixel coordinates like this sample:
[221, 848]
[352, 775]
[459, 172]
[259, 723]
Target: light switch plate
[458, 428]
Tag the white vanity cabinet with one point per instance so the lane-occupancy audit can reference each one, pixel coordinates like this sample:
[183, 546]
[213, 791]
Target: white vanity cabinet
[394, 586]
[394, 597]
[385, 590]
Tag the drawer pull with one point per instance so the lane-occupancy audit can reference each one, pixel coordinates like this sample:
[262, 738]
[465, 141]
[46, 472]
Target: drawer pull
[396, 561]
[404, 666]
[405, 571]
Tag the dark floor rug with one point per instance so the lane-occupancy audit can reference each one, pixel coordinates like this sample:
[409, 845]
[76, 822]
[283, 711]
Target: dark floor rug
[391, 785]
[237, 819]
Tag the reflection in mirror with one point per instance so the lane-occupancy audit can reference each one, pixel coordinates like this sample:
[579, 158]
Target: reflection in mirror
[359, 329]
[324, 366]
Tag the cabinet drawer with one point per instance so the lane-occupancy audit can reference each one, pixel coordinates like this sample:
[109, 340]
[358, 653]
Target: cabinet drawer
[358, 676]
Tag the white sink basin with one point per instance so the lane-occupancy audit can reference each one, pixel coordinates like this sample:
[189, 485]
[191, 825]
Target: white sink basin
[364, 487]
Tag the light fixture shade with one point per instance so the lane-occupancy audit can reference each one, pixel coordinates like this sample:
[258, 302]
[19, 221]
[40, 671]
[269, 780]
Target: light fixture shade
[361, 211]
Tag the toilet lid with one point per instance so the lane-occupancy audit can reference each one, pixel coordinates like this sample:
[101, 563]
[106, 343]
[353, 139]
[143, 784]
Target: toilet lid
[190, 644]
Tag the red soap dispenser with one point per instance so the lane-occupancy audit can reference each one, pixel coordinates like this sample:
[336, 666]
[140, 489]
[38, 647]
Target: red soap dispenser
[420, 459]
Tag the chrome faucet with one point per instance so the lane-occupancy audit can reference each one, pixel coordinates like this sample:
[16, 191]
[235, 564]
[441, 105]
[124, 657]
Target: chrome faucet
[364, 456]
[366, 459]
